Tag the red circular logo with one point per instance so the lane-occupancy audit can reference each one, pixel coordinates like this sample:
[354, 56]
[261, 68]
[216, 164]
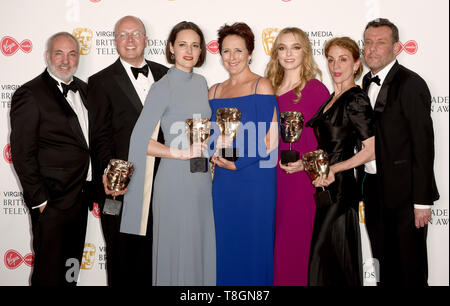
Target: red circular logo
[96, 210]
[95, 1]
[213, 47]
[7, 153]
[410, 47]
[9, 46]
[13, 259]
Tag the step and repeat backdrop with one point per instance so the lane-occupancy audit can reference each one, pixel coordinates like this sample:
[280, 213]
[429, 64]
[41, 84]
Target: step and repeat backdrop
[26, 25]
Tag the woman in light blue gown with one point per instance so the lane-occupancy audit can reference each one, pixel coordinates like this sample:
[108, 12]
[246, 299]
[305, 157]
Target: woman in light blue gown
[184, 250]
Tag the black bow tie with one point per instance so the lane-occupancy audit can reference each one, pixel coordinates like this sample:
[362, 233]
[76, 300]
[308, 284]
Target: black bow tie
[375, 79]
[136, 71]
[72, 86]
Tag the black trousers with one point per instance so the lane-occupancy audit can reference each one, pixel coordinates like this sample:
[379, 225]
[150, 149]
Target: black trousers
[128, 257]
[398, 246]
[58, 243]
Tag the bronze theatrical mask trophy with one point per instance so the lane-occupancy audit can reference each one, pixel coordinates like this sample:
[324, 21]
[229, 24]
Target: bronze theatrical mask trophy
[229, 120]
[118, 175]
[197, 131]
[316, 164]
[291, 130]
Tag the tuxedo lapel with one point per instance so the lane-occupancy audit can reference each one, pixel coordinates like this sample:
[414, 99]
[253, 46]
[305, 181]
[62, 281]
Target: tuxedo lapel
[83, 93]
[66, 108]
[156, 71]
[124, 82]
[382, 95]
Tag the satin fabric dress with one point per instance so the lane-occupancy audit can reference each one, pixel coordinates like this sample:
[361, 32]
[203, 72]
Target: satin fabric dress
[295, 207]
[244, 200]
[336, 258]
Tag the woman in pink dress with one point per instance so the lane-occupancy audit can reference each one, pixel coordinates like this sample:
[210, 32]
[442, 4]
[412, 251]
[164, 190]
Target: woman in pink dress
[293, 73]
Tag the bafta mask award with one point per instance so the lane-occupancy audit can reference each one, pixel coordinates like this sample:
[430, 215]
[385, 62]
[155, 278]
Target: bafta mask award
[316, 164]
[291, 130]
[118, 175]
[229, 120]
[197, 131]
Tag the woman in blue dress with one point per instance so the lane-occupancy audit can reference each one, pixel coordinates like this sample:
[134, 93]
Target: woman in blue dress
[244, 191]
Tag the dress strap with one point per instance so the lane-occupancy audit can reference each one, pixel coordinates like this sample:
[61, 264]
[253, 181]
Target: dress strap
[215, 89]
[256, 86]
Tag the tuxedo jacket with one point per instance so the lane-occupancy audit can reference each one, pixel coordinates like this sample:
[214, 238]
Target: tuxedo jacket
[49, 151]
[404, 139]
[114, 109]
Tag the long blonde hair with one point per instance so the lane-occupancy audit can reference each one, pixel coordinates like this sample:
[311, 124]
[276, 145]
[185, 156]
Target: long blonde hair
[309, 71]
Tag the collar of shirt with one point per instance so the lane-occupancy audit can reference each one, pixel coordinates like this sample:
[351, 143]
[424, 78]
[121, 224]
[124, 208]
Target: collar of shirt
[128, 67]
[383, 72]
[58, 80]
[141, 84]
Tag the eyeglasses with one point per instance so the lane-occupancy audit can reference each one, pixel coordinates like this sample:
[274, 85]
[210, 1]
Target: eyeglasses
[126, 35]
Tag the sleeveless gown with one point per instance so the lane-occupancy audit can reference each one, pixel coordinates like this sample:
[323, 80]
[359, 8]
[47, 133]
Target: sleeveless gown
[244, 200]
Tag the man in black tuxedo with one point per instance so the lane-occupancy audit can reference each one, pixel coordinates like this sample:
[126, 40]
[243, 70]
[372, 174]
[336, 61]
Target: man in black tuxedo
[117, 94]
[399, 188]
[50, 153]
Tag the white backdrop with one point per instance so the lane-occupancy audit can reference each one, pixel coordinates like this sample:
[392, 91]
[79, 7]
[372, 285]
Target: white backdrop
[26, 25]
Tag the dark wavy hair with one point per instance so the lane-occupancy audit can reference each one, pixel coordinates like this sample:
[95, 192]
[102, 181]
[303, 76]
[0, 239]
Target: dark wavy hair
[186, 25]
[240, 29]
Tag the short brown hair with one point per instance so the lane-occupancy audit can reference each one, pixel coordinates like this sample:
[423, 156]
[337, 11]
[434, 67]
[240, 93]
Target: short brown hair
[186, 25]
[383, 22]
[240, 29]
[348, 44]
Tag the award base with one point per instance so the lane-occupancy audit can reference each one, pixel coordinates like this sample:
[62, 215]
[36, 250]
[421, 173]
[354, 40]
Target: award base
[199, 164]
[230, 154]
[289, 156]
[112, 207]
[323, 199]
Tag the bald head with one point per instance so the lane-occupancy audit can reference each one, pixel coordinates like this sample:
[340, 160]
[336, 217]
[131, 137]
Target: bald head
[130, 40]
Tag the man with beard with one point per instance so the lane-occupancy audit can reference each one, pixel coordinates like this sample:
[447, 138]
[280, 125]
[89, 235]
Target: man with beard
[50, 153]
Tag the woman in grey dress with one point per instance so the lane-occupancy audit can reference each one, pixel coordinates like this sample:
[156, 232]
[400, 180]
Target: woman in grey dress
[184, 251]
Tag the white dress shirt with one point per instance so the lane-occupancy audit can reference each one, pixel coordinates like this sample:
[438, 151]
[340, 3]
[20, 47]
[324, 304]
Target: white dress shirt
[142, 84]
[372, 92]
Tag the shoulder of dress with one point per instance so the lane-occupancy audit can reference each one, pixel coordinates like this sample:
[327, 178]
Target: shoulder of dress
[264, 87]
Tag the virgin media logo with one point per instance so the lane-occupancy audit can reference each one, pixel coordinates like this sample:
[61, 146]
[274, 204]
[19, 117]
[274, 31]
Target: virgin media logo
[96, 210]
[13, 259]
[7, 153]
[409, 47]
[9, 46]
[213, 47]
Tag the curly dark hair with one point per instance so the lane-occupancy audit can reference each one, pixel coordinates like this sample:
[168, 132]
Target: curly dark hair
[240, 29]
